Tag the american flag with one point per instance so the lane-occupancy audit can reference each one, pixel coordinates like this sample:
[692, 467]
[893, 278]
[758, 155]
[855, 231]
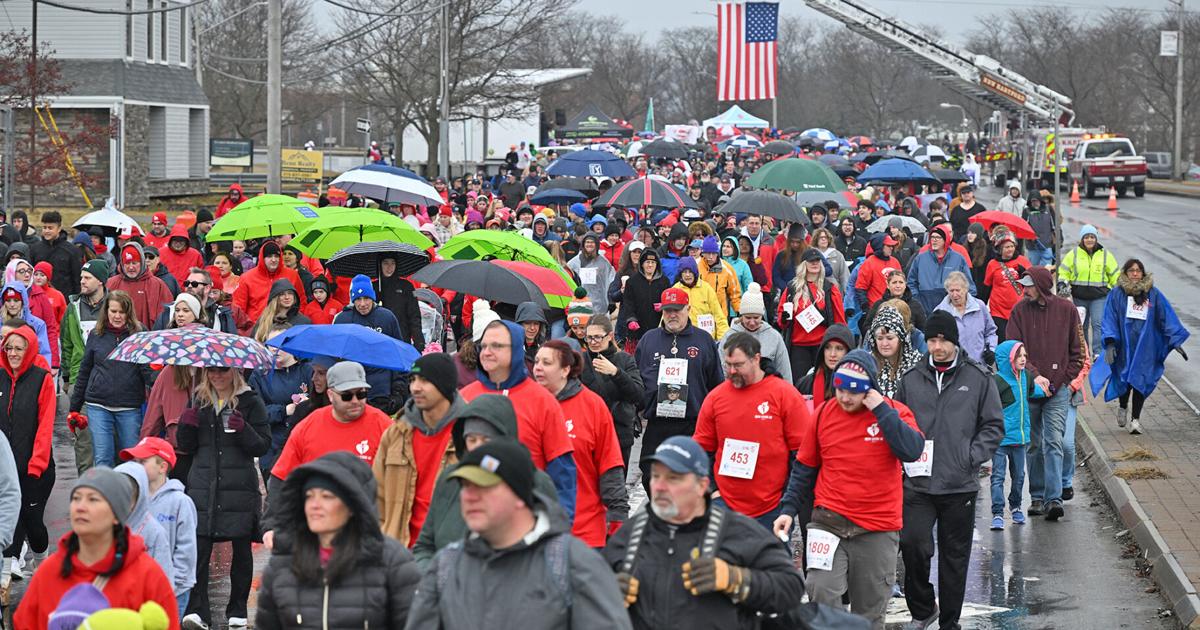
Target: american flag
[746, 50]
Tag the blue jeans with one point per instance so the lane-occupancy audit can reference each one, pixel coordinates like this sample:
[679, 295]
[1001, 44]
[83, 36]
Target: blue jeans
[1048, 424]
[182, 600]
[1039, 255]
[1068, 467]
[918, 341]
[112, 431]
[1095, 315]
[1014, 454]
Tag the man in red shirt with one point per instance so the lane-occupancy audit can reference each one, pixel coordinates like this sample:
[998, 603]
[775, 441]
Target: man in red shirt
[179, 256]
[872, 273]
[752, 423]
[254, 288]
[850, 455]
[541, 426]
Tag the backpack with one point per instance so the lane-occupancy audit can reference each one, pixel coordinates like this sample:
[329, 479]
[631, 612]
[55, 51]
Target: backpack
[556, 553]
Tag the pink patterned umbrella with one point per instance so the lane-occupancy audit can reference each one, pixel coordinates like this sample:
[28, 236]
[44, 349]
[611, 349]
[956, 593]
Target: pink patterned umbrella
[194, 345]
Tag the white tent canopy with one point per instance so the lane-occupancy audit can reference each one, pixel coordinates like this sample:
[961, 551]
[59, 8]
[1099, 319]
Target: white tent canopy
[736, 117]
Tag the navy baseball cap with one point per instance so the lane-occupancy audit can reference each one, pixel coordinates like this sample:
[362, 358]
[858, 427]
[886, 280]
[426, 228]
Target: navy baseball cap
[681, 454]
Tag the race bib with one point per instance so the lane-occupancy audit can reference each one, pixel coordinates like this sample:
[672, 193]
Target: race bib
[818, 554]
[738, 459]
[587, 275]
[672, 388]
[707, 323]
[1133, 311]
[810, 318]
[923, 467]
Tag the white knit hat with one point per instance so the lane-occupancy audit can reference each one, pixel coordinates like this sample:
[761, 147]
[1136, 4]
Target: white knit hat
[481, 315]
[752, 301]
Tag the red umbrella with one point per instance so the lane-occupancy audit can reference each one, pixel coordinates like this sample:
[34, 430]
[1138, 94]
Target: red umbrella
[862, 141]
[1020, 227]
[550, 281]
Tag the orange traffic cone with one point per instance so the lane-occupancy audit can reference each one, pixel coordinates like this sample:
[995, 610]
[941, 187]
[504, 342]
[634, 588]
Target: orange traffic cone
[1112, 197]
[1074, 193]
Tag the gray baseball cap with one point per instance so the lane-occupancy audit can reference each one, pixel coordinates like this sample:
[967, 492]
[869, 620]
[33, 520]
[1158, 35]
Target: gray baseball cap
[346, 376]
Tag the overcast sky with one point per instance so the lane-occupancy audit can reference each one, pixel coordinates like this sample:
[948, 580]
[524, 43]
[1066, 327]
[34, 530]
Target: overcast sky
[954, 17]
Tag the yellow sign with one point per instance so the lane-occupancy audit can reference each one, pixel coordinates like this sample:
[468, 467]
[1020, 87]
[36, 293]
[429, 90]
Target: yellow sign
[299, 165]
[1002, 88]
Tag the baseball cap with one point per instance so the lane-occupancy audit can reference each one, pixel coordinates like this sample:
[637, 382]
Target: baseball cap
[888, 240]
[149, 447]
[674, 298]
[681, 454]
[1025, 281]
[345, 376]
[499, 461]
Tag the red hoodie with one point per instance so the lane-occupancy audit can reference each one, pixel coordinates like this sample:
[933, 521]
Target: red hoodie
[39, 459]
[322, 313]
[58, 302]
[140, 580]
[180, 263]
[149, 293]
[226, 205]
[254, 289]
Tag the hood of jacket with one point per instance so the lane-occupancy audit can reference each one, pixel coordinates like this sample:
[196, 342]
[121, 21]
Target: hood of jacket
[10, 270]
[178, 230]
[19, 287]
[877, 245]
[141, 507]
[737, 250]
[516, 374]
[141, 257]
[652, 253]
[413, 416]
[22, 247]
[531, 312]
[87, 573]
[1043, 280]
[281, 286]
[31, 350]
[358, 488]
[836, 332]
[494, 409]
[1006, 354]
[1141, 287]
[573, 387]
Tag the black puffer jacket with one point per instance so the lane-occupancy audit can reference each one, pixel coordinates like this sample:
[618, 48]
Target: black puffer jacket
[223, 481]
[640, 297]
[622, 392]
[377, 594]
[115, 384]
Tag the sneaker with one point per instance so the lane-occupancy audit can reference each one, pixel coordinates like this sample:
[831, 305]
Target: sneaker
[1018, 517]
[193, 622]
[1121, 417]
[1068, 493]
[1054, 511]
[237, 622]
[896, 592]
[921, 624]
[997, 522]
[1135, 427]
[1035, 508]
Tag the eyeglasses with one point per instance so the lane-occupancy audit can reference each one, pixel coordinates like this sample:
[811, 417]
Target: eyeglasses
[192, 284]
[360, 394]
[150, 256]
[592, 338]
[494, 347]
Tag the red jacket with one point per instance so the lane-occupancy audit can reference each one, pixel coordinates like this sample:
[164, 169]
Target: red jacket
[226, 205]
[47, 402]
[590, 427]
[180, 263]
[872, 277]
[40, 305]
[1001, 277]
[831, 307]
[140, 580]
[612, 253]
[322, 314]
[254, 289]
[150, 294]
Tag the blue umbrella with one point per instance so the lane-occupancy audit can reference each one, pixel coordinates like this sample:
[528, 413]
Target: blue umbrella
[349, 342]
[823, 135]
[393, 170]
[897, 171]
[590, 163]
[557, 197]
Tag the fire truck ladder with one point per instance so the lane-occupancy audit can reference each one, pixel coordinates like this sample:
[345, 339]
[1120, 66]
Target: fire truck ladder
[57, 140]
[978, 77]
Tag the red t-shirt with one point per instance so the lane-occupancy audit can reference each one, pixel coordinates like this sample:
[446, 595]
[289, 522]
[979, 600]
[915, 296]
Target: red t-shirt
[859, 477]
[1004, 295]
[769, 413]
[540, 423]
[428, 451]
[320, 433]
[590, 426]
[872, 277]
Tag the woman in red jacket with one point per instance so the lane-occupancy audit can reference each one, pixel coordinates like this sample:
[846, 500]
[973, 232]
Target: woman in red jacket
[99, 550]
[1001, 276]
[810, 304]
[601, 504]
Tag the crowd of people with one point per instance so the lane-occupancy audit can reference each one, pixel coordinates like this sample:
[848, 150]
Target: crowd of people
[839, 383]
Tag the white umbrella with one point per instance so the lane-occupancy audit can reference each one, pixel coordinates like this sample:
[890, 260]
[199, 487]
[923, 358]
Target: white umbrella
[909, 143]
[823, 135]
[928, 152]
[388, 184]
[109, 219]
[910, 223]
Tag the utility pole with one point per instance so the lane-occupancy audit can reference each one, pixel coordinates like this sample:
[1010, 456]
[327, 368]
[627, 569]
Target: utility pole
[274, 93]
[444, 117]
[1179, 170]
[33, 86]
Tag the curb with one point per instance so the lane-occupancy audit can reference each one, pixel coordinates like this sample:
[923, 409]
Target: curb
[1173, 192]
[1172, 580]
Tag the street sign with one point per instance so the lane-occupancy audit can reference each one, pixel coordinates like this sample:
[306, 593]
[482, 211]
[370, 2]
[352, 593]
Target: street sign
[230, 152]
[299, 165]
[1168, 43]
[363, 125]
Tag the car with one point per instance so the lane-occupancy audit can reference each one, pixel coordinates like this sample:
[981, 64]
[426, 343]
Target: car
[1159, 164]
[1193, 173]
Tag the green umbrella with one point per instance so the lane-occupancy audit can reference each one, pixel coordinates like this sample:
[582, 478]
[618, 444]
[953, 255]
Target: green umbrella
[798, 175]
[340, 228]
[482, 244]
[262, 217]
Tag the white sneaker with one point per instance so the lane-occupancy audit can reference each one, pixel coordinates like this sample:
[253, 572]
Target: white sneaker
[193, 622]
[1135, 427]
[237, 622]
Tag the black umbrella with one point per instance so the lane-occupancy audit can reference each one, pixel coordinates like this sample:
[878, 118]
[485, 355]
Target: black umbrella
[839, 165]
[807, 142]
[663, 148]
[483, 280]
[871, 158]
[766, 203]
[581, 184]
[364, 258]
[645, 192]
[949, 175]
[778, 147]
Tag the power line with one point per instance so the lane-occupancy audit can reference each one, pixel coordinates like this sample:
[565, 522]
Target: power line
[381, 14]
[72, 7]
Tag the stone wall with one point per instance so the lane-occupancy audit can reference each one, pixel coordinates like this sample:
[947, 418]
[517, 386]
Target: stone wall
[91, 163]
[137, 165]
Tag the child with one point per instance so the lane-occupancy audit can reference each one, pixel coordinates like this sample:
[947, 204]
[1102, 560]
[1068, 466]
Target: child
[1016, 388]
[172, 509]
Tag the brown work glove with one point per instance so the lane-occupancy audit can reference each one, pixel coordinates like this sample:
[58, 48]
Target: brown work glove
[714, 575]
[629, 588]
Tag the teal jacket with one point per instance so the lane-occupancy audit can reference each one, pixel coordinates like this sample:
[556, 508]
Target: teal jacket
[1016, 389]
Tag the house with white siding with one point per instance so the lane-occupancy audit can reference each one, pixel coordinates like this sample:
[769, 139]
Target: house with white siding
[138, 72]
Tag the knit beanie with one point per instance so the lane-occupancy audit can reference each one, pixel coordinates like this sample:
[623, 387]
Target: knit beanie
[75, 606]
[204, 215]
[752, 300]
[941, 324]
[112, 485]
[857, 372]
[192, 303]
[481, 315]
[438, 369]
[97, 268]
[710, 246]
[360, 286]
[580, 309]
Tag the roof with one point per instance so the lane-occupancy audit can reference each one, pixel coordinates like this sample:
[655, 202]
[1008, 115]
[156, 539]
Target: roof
[737, 117]
[136, 81]
[539, 78]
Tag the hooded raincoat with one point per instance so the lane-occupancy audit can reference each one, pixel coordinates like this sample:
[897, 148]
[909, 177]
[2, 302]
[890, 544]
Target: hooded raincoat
[1142, 344]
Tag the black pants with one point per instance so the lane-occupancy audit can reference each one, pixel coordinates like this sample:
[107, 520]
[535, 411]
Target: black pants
[955, 518]
[1001, 328]
[241, 572]
[31, 523]
[1138, 401]
[656, 432]
[803, 359]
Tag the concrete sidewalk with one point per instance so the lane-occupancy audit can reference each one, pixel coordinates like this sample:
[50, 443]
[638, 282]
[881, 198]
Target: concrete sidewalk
[1179, 189]
[1153, 480]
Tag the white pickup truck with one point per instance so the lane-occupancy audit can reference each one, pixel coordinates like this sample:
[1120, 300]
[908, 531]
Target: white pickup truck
[1108, 161]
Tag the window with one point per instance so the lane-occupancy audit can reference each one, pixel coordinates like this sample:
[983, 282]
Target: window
[162, 37]
[129, 29]
[149, 31]
[183, 36]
